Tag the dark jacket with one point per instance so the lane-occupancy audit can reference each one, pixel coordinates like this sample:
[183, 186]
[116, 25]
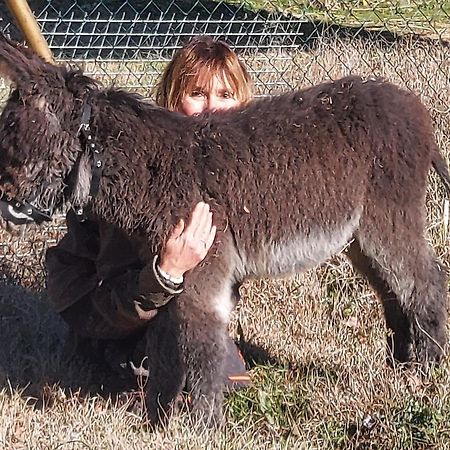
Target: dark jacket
[102, 281]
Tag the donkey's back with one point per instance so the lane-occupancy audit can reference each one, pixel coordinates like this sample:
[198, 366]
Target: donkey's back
[299, 175]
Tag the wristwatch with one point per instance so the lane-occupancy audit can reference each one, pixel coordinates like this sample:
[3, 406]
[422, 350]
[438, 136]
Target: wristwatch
[173, 285]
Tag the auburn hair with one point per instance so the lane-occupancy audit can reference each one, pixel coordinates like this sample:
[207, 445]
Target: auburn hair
[199, 60]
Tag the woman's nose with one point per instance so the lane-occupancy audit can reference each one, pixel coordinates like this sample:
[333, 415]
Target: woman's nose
[213, 103]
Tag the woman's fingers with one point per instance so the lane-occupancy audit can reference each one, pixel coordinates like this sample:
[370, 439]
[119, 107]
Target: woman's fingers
[201, 220]
[198, 227]
[189, 243]
[210, 238]
[178, 230]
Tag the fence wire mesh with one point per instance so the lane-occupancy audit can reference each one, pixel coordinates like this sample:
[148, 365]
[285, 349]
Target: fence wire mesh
[136, 38]
[286, 44]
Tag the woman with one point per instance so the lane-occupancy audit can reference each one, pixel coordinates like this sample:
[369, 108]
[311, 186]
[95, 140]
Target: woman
[105, 284]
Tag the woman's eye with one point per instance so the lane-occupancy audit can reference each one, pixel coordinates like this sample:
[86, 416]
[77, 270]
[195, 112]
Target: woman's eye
[227, 94]
[197, 93]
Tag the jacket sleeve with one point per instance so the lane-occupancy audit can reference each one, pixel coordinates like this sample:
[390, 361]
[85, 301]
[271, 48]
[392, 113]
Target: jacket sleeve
[97, 263]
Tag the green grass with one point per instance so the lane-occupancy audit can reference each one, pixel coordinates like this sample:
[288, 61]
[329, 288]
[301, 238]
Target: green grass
[278, 399]
[430, 18]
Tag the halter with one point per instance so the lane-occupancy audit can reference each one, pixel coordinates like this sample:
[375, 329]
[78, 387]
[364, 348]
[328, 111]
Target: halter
[23, 212]
[97, 166]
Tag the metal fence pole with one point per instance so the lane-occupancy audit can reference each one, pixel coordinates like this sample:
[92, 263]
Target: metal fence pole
[30, 29]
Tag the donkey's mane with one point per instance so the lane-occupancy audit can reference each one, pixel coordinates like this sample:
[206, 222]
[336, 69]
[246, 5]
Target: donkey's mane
[133, 100]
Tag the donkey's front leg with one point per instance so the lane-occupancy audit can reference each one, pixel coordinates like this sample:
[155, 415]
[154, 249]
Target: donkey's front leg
[202, 338]
[187, 343]
[187, 348]
[167, 374]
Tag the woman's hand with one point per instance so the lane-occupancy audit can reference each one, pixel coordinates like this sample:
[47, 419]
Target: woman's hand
[188, 245]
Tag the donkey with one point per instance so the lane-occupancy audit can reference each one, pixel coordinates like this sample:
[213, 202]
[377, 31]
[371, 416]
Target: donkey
[292, 180]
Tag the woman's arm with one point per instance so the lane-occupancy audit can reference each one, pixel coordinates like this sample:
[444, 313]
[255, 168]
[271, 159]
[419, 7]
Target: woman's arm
[99, 265]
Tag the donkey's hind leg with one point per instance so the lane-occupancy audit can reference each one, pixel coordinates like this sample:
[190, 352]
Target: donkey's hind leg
[399, 340]
[403, 269]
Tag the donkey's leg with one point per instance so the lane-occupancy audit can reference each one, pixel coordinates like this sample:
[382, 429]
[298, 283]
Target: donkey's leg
[188, 343]
[166, 369]
[411, 282]
[203, 338]
[204, 313]
[399, 340]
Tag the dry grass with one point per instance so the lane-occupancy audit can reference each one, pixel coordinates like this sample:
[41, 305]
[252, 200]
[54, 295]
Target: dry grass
[327, 385]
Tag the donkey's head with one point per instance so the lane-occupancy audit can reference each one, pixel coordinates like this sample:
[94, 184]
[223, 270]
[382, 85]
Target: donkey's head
[40, 150]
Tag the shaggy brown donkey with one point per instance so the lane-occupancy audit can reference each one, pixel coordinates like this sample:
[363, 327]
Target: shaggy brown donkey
[292, 180]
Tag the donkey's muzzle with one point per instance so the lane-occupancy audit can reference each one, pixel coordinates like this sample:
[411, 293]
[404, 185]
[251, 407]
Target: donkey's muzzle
[22, 213]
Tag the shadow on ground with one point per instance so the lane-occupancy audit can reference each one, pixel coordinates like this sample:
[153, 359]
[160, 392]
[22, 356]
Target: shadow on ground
[34, 355]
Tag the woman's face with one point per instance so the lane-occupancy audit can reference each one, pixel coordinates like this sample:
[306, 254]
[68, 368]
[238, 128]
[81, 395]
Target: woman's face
[211, 95]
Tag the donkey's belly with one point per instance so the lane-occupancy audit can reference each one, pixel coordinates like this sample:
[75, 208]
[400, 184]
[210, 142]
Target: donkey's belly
[301, 252]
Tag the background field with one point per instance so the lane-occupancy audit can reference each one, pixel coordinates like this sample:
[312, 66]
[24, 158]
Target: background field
[320, 378]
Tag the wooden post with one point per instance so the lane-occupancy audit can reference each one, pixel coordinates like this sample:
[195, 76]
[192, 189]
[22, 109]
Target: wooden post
[30, 29]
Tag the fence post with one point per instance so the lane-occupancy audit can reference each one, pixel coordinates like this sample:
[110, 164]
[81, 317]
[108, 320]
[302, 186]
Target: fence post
[30, 29]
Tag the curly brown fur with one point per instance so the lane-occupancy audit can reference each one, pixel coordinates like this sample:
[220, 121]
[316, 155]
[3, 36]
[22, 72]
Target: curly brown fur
[291, 180]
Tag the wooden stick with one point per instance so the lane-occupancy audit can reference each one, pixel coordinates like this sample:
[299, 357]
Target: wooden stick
[30, 29]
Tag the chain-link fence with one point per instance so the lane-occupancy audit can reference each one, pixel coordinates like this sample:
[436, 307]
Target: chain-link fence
[286, 44]
[131, 40]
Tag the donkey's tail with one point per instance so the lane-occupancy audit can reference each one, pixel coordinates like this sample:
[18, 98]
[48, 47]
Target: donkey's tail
[441, 167]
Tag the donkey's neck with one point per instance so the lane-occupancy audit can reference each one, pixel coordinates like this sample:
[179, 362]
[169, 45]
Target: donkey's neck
[148, 179]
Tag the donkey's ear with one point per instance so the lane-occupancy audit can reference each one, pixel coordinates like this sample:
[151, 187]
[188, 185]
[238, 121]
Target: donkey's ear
[18, 63]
